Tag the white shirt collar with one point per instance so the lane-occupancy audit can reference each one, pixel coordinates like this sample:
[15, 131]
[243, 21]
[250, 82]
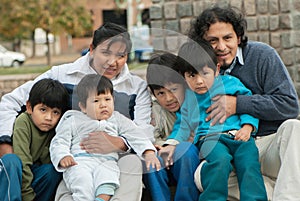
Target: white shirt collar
[239, 55]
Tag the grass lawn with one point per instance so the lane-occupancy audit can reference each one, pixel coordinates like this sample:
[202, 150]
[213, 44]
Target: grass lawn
[41, 69]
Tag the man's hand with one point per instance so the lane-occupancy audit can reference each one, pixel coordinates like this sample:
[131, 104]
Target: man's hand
[67, 161]
[102, 143]
[223, 107]
[5, 149]
[167, 153]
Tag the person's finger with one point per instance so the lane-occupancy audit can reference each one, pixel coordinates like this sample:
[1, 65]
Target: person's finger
[148, 165]
[158, 166]
[216, 110]
[217, 117]
[223, 119]
[212, 107]
[167, 164]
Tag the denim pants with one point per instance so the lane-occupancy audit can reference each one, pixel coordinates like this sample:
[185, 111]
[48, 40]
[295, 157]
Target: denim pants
[46, 180]
[181, 174]
[10, 178]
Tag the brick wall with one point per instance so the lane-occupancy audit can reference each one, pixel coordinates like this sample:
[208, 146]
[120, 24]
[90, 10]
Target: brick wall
[276, 22]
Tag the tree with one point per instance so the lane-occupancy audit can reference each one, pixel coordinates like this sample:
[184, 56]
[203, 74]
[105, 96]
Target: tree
[20, 18]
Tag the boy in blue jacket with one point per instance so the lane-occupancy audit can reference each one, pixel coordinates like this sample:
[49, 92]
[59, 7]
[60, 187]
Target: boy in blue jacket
[224, 146]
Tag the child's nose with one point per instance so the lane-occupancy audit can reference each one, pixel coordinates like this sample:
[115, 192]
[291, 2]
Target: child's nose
[199, 79]
[169, 96]
[48, 116]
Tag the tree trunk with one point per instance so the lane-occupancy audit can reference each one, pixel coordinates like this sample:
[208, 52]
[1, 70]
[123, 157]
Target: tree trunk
[17, 45]
[48, 49]
[33, 44]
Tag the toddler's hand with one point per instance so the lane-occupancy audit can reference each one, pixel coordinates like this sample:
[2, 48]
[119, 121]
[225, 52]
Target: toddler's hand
[244, 133]
[67, 161]
[151, 160]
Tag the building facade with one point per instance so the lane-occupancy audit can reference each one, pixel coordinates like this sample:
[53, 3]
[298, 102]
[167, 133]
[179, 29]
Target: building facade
[275, 22]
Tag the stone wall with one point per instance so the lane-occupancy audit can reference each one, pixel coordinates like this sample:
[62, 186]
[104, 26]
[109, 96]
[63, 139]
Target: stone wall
[276, 22]
[10, 82]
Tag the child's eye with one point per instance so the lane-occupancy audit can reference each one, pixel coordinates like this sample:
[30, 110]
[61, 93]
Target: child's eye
[43, 109]
[173, 89]
[105, 53]
[56, 112]
[160, 93]
[192, 75]
[108, 99]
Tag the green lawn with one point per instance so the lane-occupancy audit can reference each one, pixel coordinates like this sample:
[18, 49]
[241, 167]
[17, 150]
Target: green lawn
[39, 69]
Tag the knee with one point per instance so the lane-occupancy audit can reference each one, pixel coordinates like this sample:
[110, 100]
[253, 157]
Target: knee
[290, 127]
[51, 175]
[130, 164]
[186, 151]
[12, 160]
[222, 163]
[291, 122]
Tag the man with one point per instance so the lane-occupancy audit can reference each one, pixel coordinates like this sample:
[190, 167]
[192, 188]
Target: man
[274, 100]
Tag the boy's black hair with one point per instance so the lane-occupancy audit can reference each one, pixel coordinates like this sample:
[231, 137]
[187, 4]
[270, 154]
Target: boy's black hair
[161, 70]
[113, 32]
[93, 83]
[210, 16]
[49, 92]
[194, 56]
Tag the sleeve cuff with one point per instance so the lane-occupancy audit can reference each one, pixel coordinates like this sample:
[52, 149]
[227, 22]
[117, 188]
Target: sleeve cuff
[5, 139]
[127, 145]
[171, 142]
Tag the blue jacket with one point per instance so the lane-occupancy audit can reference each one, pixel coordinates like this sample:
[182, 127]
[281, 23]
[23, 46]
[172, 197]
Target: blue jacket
[192, 114]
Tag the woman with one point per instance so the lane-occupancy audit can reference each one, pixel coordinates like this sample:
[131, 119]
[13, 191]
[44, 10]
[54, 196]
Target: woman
[107, 56]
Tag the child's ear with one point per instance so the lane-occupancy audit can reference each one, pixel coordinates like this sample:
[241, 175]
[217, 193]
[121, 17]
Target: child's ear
[29, 109]
[91, 49]
[217, 69]
[82, 107]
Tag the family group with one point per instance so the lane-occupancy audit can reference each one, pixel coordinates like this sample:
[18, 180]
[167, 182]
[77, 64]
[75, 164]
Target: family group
[214, 121]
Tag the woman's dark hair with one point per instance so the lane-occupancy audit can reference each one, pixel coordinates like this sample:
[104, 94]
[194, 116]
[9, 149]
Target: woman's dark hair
[114, 33]
[161, 70]
[194, 56]
[231, 15]
[49, 92]
[93, 83]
